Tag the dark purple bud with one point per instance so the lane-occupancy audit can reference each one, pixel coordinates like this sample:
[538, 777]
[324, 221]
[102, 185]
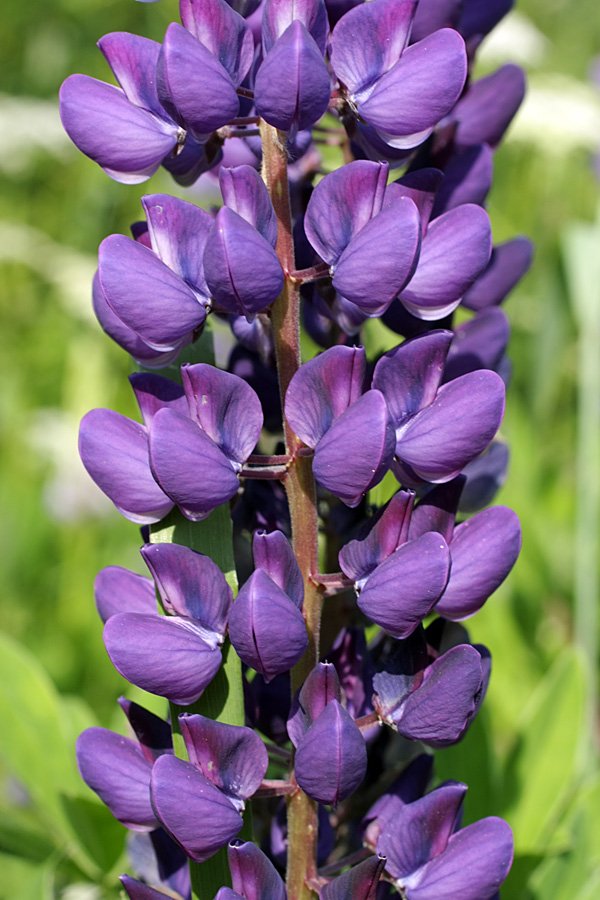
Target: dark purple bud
[278, 15]
[484, 549]
[488, 107]
[479, 343]
[114, 450]
[479, 18]
[266, 628]
[153, 733]
[404, 587]
[165, 655]
[342, 204]
[231, 757]
[320, 688]
[323, 389]
[194, 812]
[245, 193]
[467, 178]
[222, 30]
[292, 87]
[474, 864]
[454, 252]
[357, 451]
[153, 392]
[137, 890]
[116, 769]
[117, 590]
[253, 875]
[358, 883]
[386, 532]
[193, 85]
[421, 830]
[190, 585]
[331, 759]
[274, 555]
[146, 294]
[508, 264]
[242, 269]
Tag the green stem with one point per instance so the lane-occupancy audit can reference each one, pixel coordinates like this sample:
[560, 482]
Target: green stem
[300, 487]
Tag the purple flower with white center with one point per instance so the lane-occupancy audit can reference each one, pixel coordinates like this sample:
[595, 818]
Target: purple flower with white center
[177, 655]
[124, 129]
[438, 429]
[159, 293]
[401, 91]
[349, 431]
[331, 755]
[292, 86]
[266, 625]
[241, 267]
[427, 696]
[196, 458]
[371, 248]
[118, 768]
[199, 803]
[429, 859]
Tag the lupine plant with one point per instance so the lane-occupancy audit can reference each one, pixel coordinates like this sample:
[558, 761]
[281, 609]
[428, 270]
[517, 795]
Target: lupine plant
[303, 706]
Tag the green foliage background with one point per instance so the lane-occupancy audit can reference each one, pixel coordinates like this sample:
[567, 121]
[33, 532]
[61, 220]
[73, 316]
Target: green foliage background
[530, 756]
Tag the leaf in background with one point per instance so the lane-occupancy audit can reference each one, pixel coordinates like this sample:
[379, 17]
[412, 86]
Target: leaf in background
[98, 832]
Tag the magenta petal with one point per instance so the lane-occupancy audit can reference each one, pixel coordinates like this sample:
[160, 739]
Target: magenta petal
[357, 450]
[404, 587]
[115, 768]
[195, 813]
[381, 258]
[292, 87]
[113, 132]
[454, 252]
[133, 60]
[266, 629]
[488, 107]
[145, 294]
[232, 757]
[222, 31]
[164, 655]
[341, 204]
[331, 759]
[368, 41]
[178, 231]
[226, 408]
[442, 438]
[189, 466]
[190, 584]
[441, 708]
[194, 84]
[358, 883]
[322, 389]
[253, 874]
[117, 590]
[421, 830]
[386, 533]
[484, 549]
[274, 555]
[508, 264]
[421, 88]
[241, 268]
[476, 861]
[410, 375]
[245, 193]
[114, 450]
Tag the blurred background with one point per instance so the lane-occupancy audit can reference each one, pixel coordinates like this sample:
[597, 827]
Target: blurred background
[530, 756]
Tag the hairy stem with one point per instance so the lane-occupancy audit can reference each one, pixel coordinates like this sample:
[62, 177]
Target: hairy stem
[300, 487]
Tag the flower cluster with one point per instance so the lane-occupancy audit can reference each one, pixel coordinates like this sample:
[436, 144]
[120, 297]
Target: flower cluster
[339, 671]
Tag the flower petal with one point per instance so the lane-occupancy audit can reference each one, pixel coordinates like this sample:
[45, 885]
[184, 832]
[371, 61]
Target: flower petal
[133, 60]
[508, 264]
[387, 531]
[488, 107]
[118, 590]
[222, 31]
[467, 178]
[358, 883]
[253, 874]
[410, 375]
[178, 231]
[245, 193]
[274, 555]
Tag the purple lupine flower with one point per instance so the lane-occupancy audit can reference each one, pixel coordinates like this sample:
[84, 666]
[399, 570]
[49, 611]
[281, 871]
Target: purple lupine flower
[508, 263]
[401, 91]
[266, 625]
[199, 802]
[177, 655]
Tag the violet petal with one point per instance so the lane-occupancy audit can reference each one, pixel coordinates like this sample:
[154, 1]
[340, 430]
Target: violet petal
[278, 15]
[152, 732]
[133, 60]
[320, 688]
[153, 392]
[410, 375]
[274, 555]
[222, 31]
[178, 231]
[253, 874]
[245, 193]
[358, 883]
[488, 107]
[508, 264]
[387, 532]
[467, 178]
[118, 590]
